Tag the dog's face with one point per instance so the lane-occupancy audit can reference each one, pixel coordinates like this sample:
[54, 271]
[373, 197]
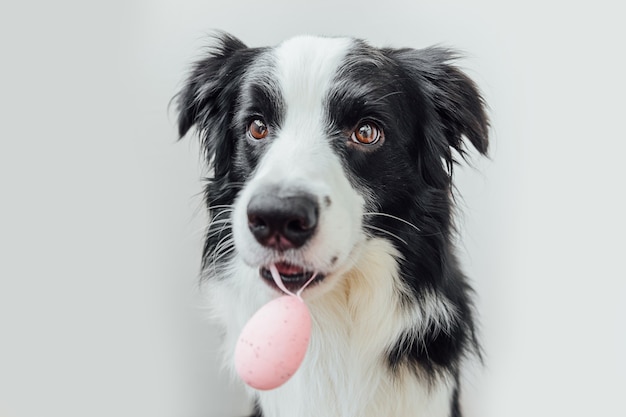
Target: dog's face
[320, 144]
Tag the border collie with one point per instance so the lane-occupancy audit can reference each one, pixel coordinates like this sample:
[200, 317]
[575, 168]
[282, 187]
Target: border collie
[333, 157]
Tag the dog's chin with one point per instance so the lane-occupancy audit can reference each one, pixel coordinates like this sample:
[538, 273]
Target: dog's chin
[293, 277]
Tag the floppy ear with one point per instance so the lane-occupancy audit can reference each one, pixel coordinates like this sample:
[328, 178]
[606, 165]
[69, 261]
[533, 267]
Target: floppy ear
[208, 97]
[455, 97]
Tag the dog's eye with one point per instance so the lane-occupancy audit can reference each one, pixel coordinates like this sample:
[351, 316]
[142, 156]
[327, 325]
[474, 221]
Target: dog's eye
[367, 133]
[258, 129]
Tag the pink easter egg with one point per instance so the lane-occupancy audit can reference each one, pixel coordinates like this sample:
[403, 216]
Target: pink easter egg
[272, 344]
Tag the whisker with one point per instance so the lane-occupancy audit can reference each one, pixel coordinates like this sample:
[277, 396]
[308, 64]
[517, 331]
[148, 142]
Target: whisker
[223, 247]
[220, 221]
[214, 216]
[224, 242]
[230, 243]
[204, 229]
[229, 185]
[387, 232]
[222, 230]
[231, 207]
[213, 263]
[215, 221]
[395, 218]
[217, 232]
[393, 93]
[215, 224]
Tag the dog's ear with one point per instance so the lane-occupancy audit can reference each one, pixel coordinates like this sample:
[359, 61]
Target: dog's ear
[208, 98]
[454, 96]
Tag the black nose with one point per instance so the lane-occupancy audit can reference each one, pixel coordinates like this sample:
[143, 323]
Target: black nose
[282, 222]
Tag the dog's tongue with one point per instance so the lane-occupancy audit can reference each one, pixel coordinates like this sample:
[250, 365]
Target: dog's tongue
[286, 269]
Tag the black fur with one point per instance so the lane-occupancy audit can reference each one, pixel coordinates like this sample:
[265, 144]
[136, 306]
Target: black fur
[209, 101]
[426, 106]
[428, 109]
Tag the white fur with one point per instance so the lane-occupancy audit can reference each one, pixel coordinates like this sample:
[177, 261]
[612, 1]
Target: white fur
[356, 310]
[300, 158]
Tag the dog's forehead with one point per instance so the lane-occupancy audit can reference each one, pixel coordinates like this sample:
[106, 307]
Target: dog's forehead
[306, 66]
[311, 57]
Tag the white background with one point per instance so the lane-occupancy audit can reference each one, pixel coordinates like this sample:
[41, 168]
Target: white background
[100, 213]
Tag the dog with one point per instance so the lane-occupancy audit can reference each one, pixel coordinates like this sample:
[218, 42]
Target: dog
[333, 157]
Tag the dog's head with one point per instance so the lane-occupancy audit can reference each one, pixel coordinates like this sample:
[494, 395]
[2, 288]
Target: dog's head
[319, 144]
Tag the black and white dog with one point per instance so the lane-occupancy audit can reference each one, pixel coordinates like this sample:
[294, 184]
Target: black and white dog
[334, 157]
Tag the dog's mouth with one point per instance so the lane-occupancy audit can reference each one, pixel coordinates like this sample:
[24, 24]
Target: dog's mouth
[293, 276]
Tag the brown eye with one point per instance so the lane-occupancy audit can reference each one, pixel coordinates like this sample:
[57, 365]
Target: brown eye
[258, 129]
[367, 133]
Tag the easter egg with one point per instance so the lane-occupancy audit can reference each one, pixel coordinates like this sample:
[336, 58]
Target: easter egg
[273, 343]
